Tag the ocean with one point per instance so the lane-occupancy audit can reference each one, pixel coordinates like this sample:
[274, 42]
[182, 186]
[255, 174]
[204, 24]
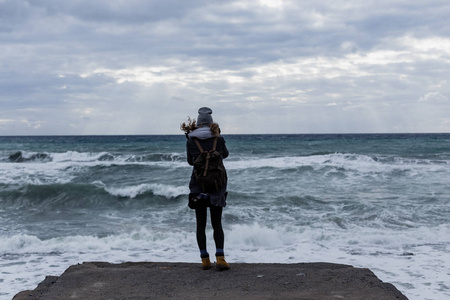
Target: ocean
[378, 201]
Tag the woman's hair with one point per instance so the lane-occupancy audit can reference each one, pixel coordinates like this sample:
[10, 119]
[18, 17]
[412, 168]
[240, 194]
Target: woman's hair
[215, 129]
[191, 125]
[188, 126]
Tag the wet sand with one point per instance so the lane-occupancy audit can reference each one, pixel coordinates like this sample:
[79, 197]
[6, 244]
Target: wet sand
[150, 280]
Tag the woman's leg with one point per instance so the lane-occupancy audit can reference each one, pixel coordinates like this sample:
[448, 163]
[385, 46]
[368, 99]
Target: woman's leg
[201, 216]
[216, 221]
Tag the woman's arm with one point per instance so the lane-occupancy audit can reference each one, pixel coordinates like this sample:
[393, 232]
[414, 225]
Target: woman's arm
[189, 155]
[224, 149]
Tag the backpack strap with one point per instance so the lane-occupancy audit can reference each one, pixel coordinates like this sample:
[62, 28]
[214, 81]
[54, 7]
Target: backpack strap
[198, 145]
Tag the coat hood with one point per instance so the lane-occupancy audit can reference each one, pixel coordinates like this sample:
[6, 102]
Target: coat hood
[201, 133]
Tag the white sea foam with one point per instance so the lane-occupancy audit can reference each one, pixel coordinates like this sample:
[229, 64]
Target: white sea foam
[63, 167]
[74, 156]
[102, 157]
[394, 258]
[34, 173]
[158, 189]
[354, 166]
[26, 260]
[362, 163]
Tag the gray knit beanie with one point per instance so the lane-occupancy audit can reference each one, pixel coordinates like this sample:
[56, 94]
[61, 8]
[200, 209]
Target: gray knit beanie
[204, 116]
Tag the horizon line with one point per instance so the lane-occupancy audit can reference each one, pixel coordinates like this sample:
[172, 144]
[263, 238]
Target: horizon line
[181, 134]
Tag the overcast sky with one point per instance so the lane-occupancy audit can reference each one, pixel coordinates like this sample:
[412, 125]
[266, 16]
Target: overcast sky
[267, 66]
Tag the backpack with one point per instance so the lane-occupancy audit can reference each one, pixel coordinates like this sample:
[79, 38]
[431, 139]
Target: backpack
[209, 170]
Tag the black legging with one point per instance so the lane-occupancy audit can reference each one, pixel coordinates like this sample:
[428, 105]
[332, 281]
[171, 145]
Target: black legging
[201, 214]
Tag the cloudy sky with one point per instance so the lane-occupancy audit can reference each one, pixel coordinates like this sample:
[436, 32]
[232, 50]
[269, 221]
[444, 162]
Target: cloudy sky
[267, 66]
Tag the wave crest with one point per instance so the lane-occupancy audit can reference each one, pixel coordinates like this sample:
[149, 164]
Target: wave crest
[345, 161]
[157, 189]
[77, 157]
[20, 157]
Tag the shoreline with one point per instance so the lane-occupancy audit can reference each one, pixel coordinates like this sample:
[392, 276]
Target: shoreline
[163, 280]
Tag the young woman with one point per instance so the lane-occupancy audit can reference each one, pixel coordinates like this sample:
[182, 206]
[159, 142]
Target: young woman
[204, 130]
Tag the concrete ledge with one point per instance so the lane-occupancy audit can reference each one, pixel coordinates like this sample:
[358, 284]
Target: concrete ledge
[149, 280]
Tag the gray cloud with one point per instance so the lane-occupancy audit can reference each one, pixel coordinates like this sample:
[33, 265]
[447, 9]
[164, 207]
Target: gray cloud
[129, 67]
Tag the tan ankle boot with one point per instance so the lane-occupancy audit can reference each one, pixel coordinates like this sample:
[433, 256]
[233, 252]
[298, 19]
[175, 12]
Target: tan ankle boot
[206, 263]
[221, 264]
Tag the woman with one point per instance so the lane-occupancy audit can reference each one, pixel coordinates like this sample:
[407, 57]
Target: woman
[205, 132]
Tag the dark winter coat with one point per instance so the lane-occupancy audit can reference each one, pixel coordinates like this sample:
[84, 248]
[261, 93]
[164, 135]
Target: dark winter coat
[206, 139]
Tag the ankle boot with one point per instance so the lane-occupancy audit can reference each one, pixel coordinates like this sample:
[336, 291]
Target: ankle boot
[206, 263]
[221, 264]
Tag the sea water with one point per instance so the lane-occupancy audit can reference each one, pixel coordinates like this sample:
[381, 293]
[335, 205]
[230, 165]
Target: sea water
[371, 201]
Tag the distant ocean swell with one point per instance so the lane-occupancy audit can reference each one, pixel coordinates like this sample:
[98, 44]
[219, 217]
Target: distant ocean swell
[166, 175]
[345, 160]
[24, 156]
[69, 194]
